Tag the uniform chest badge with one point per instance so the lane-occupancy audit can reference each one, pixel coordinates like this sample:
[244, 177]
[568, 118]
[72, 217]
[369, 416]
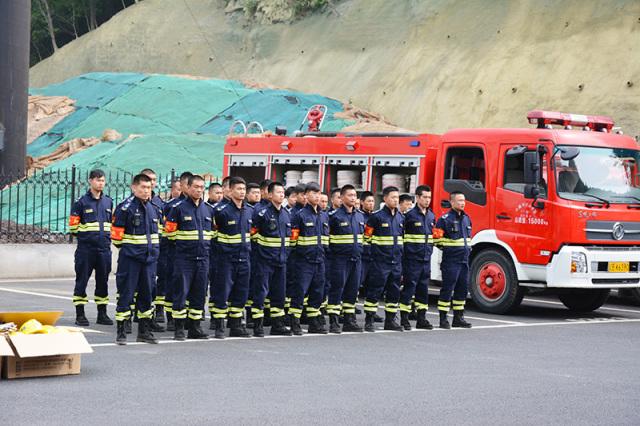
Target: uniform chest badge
[88, 211]
[344, 223]
[187, 218]
[384, 225]
[231, 222]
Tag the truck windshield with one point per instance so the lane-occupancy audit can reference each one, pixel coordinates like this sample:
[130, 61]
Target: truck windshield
[610, 174]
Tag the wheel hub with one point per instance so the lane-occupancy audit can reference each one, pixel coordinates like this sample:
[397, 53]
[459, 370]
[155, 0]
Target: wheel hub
[492, 281]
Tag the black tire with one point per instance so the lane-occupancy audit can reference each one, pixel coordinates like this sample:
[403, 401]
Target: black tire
[584, 300]
[635, 293]
[513, 293]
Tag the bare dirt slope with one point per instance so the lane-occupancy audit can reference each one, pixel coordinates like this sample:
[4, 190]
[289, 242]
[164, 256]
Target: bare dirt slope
[424, 64]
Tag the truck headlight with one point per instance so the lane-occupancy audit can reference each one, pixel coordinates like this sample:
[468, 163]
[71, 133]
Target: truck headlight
[578, 262]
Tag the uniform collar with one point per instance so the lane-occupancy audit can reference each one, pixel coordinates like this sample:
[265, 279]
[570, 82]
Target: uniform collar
[310, 208]
[455, 213]
[419, 211]
[90, 195]
[385, 207]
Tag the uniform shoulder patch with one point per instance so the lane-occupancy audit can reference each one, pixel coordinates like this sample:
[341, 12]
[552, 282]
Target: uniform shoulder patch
[127, 202]
[219, 207]
[332, 212]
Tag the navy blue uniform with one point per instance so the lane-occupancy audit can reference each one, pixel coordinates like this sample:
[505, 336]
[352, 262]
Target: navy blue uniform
[158, 289]
[310, 238]
[272, 230]
[167, 252]
[416, 263]
[259, 206]
[213, 261]
[90, 223]
[135, 232]
[191, 227]
[384, 232]
[233, 236]
[366, 256]
[454, 239]
[291, 261]
[346, 236]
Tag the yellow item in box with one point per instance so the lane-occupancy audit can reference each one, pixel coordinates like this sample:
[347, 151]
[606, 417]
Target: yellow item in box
[32, 326]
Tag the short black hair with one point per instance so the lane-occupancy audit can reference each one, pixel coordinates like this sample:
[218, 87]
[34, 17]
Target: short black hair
[236, 180]
[194, 178]
[147, 171]
[274, 185]
[335, 191]
[252, 185]
[265, 184]
[96, 174]
[312, 187]
[301, 188]
[406, 197]
[365, 194]
[137, 179]
[389, 189]
[175, 181]
[185, 176]
[214, 184]
[454, 193]
[422, 188]
[225, 180]
[345, 188]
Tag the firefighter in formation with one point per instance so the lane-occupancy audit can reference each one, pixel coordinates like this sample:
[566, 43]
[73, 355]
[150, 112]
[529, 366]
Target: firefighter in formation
[266, 262]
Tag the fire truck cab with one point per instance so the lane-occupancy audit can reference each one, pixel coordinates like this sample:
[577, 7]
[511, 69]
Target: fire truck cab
[552, 208]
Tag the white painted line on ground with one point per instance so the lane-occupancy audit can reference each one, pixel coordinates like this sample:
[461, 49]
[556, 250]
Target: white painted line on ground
[551, 302]
[37, 280]
[33, 293]
[380, 331]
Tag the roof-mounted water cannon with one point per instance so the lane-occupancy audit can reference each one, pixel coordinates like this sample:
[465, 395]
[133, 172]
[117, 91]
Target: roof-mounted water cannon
[546, 119]
[314, 118]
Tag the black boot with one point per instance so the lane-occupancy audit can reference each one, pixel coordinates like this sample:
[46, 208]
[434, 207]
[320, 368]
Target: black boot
[258, 329]
[249, 317]
[127, 326]
[316, 326]
[81, 319]
[237, 329]
[179, 330]
[278, 328]
[135, 316]
[404, 320]
[369, 322]
[212, 323]
[266, 320]
[413, 314]
[295, 326]
[459, 321]
[287, 320]
[334, 324]
[195, 331]
[171, 324]
[377, 318]
[159, 314]
[154, 326]
[390, 322]
[444, 322]
[323, 319]
[350, 324]
[422, 322]
[217, 324]
[121, 335]
[144, 331]
[103, 318]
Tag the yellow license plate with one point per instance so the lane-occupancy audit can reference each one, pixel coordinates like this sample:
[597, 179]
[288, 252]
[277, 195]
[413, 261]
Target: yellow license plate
[618, 266]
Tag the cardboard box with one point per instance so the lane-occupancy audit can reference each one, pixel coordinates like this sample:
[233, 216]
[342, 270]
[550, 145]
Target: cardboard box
[39, 355]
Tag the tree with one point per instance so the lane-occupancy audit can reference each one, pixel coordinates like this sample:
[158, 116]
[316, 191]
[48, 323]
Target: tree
[45, 10]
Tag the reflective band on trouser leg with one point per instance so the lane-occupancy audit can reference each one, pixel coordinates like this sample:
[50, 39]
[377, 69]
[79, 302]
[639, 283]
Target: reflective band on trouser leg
[296, 312]
[370, 306]
[392, 308]
[458, 305]
[219, 313]
[235, 312]
[181, 314]
[405, 308]
[195, 314]
[80, 300]
[159, 301]
[276, 312]
[267, 303]
[312, 312]
[420, 306]
[257, 313]
[123, 316]
[287, 302]
[348, 308]
[333, 309]
[249, 303]
[145, 314]
[168, 306]
[101, 300]
[443, 305]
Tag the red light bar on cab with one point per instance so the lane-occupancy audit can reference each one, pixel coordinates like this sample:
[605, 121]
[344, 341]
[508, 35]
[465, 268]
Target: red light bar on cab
[593, 122]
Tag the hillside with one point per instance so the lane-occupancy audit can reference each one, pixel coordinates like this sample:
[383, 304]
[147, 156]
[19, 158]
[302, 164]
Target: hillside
[424, 65]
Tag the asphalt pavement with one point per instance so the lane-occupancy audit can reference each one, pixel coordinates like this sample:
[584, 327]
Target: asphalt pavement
[541, 365]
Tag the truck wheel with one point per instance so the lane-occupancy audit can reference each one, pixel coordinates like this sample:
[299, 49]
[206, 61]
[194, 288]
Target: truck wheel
[581, 300]
[635, 293]
[494, 283]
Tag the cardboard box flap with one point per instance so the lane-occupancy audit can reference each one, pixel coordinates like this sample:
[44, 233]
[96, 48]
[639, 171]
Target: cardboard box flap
[19, 318]
[5, 347]
[26, 346]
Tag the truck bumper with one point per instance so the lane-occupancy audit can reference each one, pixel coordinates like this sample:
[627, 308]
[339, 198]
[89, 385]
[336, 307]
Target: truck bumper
[559, 270]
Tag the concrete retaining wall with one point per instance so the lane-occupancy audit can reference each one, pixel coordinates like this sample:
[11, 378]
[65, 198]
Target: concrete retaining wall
[19, 261]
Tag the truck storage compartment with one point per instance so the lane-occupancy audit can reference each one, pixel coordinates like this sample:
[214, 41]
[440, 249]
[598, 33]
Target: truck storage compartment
[292, 170]
[253, 168]
[401, 172]
[343, 170]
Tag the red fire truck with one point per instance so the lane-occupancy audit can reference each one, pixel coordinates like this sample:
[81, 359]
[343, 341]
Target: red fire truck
[555, 206]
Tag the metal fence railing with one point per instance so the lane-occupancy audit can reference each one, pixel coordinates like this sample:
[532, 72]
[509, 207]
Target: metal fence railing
[36, 209]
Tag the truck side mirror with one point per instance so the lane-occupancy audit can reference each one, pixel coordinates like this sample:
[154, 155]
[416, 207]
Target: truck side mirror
[531, 191]
[531, 167]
